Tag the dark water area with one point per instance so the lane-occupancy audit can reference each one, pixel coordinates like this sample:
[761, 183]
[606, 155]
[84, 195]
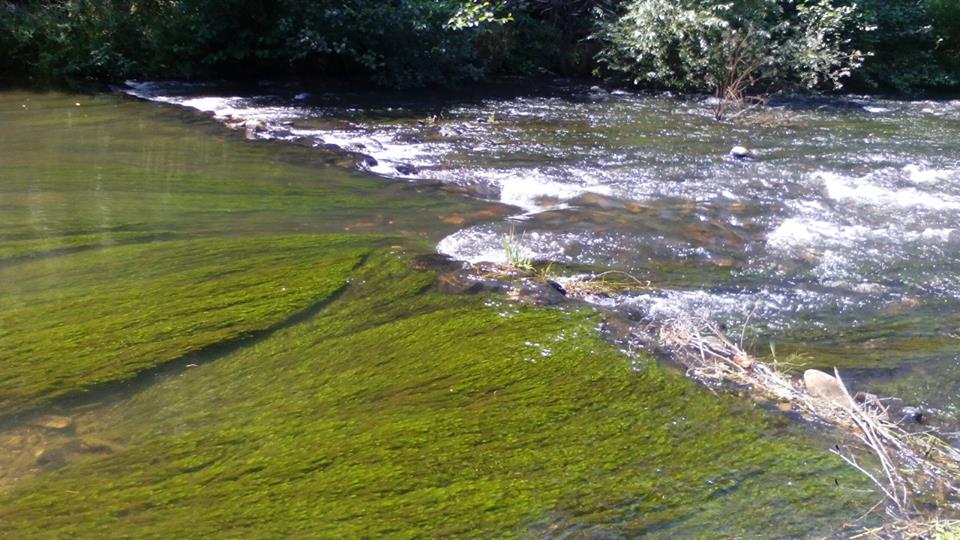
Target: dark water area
[241, 332]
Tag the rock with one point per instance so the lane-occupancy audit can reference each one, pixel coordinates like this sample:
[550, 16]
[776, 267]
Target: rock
[257, 126]
[52, 421]
[406, 168]
[486, 267]
[741, 152]
[483, 190]
[367, 162]
[827, 387]
[459, 283]
[484, 286]
[557, 286]
[912, 414]
[51, 458]
[281, 133]
[90, 445]
[539, 294]
[12, 441]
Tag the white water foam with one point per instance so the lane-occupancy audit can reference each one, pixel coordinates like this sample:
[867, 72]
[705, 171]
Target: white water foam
[486, 244]
[863, 191]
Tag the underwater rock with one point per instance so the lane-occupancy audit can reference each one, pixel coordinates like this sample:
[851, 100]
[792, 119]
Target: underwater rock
[12, 441]
[51, 458]
[52, 421]
[90, 445]
[824, 386]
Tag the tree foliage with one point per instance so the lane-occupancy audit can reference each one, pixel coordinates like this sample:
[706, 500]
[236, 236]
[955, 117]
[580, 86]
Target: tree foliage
[915, 45]
[398, 43]
[731, 48]
[704, 45]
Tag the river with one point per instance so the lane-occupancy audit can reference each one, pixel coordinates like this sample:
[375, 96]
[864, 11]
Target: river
[246, 331]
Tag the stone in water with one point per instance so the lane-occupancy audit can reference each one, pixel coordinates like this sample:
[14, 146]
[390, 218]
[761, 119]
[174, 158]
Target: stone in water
[824, 386]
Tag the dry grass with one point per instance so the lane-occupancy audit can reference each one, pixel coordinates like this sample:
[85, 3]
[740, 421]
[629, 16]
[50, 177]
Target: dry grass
[933, 528]
[910, 467]
[604, 283]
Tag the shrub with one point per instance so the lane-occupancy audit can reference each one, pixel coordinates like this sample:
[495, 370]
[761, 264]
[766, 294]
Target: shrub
[730, 49]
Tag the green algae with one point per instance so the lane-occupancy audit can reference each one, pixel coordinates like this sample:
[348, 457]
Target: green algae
[57, 245]
[94, 186]
[139, 168]
[70, 322]
[400, 412]
[392, 410]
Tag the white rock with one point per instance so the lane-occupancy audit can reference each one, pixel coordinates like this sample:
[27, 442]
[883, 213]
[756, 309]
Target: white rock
[824, 386]
[741, 152]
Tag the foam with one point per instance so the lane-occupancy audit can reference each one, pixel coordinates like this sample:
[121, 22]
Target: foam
[863, 191]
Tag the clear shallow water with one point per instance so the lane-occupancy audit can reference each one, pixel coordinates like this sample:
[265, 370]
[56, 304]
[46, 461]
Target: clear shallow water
[245, 338]
[841, 238]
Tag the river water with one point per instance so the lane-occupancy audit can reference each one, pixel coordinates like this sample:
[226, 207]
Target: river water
[837, 244]
[252, 331]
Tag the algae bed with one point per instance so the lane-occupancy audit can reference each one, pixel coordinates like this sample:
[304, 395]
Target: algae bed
[321, 384]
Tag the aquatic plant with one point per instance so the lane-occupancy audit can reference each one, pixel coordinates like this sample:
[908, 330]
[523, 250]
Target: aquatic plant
[104, 315]
[397, 410]
[515, 256]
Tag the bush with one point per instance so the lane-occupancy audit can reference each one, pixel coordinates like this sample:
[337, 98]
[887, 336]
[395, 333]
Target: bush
[399, 43]
[730, 48]
[82, 39]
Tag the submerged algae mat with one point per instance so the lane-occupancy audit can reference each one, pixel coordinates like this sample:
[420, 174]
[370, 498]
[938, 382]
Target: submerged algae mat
[82, 172]
[400, 412]
[73, 321]
[131, 235]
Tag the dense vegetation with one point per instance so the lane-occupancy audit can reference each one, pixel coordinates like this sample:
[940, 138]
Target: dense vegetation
[910, 45]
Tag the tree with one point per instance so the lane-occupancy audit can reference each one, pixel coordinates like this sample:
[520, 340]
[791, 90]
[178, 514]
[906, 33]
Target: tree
[734, 50]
